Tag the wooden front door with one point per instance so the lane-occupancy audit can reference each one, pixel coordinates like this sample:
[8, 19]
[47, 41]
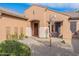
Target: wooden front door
[35, 29]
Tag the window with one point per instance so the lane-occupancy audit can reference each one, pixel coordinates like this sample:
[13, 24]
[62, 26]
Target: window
[33, 12]
[21, 30]
[73, 25]
[21, 36]
[58, 27]
[15, 33]
[8, 29]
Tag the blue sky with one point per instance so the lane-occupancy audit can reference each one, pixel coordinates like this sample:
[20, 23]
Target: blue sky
[61, 7]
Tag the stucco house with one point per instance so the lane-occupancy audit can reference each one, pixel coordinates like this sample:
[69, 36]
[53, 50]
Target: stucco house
[39, 19]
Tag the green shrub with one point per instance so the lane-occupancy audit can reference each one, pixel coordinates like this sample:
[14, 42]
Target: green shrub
[14, 36]
[21, 36]
[14, 48]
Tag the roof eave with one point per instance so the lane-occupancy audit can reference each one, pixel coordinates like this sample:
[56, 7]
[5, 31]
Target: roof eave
[74, 18]
[3, 11]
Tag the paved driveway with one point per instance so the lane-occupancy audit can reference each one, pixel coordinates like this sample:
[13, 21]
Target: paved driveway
[42, 48]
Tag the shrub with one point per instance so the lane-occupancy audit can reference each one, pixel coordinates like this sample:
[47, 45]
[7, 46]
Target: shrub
[14, 36]
[63, 41]
[14, 48]
[21, 36]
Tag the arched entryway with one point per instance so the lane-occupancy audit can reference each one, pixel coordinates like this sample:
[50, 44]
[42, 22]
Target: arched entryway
[35, 28]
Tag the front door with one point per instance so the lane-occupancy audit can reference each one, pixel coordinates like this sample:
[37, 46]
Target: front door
[35, 29]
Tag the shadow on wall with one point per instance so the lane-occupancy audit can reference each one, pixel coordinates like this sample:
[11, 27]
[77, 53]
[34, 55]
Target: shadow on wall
[75, 41]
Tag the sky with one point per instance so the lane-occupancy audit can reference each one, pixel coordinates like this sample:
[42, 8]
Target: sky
[61, 7]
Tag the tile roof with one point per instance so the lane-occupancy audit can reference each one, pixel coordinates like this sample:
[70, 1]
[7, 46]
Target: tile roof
[72, 14]
[11, 13]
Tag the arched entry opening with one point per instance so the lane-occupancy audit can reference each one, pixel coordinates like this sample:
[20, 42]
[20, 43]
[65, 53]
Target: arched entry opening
[35, 28]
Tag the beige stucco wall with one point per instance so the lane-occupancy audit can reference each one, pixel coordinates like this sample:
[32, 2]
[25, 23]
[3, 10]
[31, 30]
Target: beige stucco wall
[12, 22]
[65, 28]
[39, 14]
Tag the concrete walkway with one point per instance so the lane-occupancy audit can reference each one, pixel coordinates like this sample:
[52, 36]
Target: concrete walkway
[40, 47]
